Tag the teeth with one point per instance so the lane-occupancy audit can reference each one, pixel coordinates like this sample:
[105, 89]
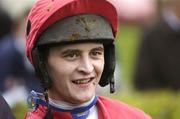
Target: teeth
[83, 81]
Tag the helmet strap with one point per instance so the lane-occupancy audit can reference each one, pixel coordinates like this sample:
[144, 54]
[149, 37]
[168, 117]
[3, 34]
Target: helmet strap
[112, 88]
[109, 67]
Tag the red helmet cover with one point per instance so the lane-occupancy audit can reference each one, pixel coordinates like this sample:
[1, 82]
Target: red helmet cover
[46, 12]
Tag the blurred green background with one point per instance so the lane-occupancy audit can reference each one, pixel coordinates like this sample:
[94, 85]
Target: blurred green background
[159, 104]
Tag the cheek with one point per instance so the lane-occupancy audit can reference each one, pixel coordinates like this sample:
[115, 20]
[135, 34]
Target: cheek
[60, 69]
[100, 67]
[59, 76]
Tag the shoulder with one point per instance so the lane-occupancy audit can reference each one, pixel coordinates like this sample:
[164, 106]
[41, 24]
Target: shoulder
[39, 113]
[114, 107]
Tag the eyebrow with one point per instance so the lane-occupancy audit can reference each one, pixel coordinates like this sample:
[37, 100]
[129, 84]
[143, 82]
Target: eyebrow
[99, 49]
[70, 50]
[77, 50]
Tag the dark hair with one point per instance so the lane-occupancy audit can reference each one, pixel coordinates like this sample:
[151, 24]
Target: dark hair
[49, 114]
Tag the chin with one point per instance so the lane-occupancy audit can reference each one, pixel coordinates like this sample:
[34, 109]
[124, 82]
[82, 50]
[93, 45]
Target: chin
[84, 98]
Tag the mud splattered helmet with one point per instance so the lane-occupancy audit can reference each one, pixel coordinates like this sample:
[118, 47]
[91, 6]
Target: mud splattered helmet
[67, 21]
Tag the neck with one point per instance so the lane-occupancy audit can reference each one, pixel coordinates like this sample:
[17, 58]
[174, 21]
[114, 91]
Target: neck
[68, 106]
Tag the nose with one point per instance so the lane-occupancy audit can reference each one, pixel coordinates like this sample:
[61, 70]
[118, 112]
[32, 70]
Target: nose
[86, 65]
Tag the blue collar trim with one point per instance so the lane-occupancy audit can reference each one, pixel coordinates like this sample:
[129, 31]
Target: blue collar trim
[35, 99]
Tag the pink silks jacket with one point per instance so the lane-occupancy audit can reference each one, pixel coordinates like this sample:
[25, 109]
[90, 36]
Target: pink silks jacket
[107, 109]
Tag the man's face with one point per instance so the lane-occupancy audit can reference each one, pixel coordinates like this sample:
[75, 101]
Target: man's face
[75, 70]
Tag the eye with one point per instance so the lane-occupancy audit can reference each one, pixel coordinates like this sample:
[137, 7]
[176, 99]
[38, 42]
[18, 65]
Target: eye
[96, 54]
[71, 55]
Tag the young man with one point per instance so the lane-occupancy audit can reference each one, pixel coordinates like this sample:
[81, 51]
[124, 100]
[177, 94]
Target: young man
[71, 45]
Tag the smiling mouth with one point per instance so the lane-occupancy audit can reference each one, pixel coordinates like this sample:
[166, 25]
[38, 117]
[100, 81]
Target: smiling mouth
[83, 81]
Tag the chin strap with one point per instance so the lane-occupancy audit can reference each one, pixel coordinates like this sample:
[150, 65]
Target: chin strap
[35, 99]
[112, 85]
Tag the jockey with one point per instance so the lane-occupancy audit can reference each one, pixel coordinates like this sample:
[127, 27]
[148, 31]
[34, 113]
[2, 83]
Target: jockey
[70, 43]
